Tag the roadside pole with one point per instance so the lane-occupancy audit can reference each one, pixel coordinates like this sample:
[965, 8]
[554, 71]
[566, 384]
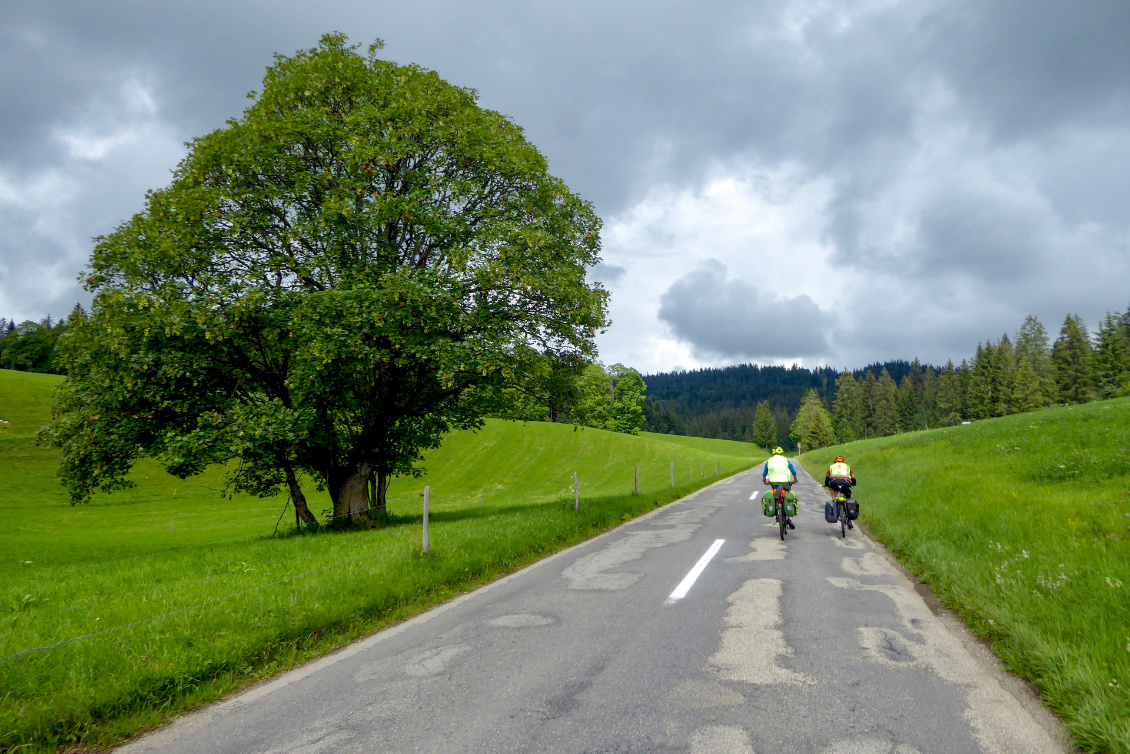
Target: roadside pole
[427, 499]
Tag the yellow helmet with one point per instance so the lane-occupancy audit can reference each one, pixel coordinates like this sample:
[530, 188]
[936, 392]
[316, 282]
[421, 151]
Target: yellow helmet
[778, 450]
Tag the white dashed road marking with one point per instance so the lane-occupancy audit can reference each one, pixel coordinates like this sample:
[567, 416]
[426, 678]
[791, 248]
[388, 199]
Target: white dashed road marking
[688, 580]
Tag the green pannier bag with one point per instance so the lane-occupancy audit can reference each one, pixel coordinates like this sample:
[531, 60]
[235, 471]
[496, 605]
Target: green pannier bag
[768, 507]
[790, 503]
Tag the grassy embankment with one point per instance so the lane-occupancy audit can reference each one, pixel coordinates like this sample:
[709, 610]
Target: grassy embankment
[181, 596]
[1022, 525]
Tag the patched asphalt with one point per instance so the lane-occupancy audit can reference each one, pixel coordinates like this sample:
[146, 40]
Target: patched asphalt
[815, 644]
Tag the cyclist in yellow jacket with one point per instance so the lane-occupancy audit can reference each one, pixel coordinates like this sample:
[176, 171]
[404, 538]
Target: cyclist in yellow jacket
[840, 478]
[779, 472]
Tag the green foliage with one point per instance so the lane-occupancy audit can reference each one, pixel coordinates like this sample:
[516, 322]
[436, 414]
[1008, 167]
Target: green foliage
[813, 425]
[610, 399]
[1111, 359]
[30, 347]
[1021, 525]
[949, 399]
[980, 392]
[847, 418]
[1032, 346]
[722, 402]
[330, 284]
[884, 407]
[764, 427]
[1071, 356]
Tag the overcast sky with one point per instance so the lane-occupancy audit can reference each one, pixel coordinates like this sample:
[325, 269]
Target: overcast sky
[821, 182]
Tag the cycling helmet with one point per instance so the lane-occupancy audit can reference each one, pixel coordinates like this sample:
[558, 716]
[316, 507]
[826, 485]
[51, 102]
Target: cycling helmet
[778, 450]
[838, 459]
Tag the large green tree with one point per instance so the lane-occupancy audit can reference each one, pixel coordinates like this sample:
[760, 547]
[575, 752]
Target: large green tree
[1111, 360]
[330, 284]
[949, 395]
[1071, 356]
[813, 425]
[1032, 345]
[610, 398]
[980, 389]
[885, 411]
[764, 429]
[847, 411]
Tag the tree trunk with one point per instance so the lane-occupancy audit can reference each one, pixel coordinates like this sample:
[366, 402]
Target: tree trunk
[382, 480]
[351, 503]
[302, 514]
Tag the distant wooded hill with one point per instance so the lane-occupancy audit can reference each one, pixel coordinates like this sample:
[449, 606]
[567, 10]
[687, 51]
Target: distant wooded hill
[721, 402]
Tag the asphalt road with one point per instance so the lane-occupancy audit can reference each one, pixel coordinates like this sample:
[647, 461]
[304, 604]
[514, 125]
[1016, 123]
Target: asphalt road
[816, 644]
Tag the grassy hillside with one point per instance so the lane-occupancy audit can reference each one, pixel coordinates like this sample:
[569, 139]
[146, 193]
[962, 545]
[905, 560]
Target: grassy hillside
[147, 602]
[1022, 524]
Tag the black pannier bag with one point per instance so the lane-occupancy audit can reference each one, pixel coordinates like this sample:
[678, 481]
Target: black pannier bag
[853, 508]
[830, 512]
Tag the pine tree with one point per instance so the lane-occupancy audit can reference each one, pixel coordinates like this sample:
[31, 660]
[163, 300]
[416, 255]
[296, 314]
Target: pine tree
[979, 395]
[885, 419]
[847, 419]
[949, 395]
[1032, 344]
[764, 428]
[1111, 359]
[1071, 356]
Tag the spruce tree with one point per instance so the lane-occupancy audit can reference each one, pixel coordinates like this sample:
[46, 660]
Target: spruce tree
[1003, 376]
[885, 402]
[908, 406]
[929, 399]
[867, 416]
[764, 428]
[949, 395]
[1111, 359]
[813, 425]
[1027, 393]
[847, 417]
[1032, 344]
[1071, 356]
[979, 395]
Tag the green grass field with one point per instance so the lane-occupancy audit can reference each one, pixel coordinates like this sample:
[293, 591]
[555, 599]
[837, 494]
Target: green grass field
[1022, 525]
[151, 601]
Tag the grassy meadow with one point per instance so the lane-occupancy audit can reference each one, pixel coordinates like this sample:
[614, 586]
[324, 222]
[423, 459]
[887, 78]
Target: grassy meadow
[118, 614]
[1022, 525]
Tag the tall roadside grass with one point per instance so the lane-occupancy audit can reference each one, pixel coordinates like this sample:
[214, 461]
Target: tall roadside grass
[148, 602]
[1022, 525]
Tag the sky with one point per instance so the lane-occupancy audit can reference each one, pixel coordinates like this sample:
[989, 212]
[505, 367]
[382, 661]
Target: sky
[803, 181]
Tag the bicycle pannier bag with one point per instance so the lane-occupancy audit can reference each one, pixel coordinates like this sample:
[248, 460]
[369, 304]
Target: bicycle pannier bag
[830, 512]
[790, 503]
[768, 507]
[853, 508]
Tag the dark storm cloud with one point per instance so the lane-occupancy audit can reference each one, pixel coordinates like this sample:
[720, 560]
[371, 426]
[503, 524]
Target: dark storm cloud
[730, 318]
[968, 145]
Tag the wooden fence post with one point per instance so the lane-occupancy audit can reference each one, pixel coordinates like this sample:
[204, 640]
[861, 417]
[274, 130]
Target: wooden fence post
[672, 473]
[427, 499]
[637, 483]
[576, 493]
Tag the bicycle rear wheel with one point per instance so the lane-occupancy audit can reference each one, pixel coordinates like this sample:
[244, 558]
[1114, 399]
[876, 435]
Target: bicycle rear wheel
[782, 519]
[842, 507]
